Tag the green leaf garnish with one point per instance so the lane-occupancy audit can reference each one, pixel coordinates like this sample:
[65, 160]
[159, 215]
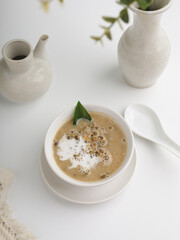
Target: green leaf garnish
[80, 112]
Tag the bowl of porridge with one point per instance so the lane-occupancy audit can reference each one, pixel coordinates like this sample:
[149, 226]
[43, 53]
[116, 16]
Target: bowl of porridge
[90, 153]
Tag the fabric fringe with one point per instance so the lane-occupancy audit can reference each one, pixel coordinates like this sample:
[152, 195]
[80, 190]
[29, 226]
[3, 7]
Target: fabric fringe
[10, 228]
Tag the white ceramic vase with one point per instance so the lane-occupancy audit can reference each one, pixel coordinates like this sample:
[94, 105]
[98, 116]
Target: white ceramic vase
[144, 49]
[24, 74]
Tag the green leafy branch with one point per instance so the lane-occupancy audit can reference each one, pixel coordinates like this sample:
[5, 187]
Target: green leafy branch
[122, 17]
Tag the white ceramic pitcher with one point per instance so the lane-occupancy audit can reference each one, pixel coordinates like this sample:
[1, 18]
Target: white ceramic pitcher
[144, 48]
[24, 74]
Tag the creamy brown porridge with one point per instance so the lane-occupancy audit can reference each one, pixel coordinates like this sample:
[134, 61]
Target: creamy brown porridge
[90, 151]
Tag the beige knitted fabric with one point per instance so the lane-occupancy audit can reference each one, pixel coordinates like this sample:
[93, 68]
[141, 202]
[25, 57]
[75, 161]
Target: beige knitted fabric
[10, 229]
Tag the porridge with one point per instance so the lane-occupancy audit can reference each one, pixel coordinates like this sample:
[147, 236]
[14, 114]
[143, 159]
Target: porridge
[91, 150]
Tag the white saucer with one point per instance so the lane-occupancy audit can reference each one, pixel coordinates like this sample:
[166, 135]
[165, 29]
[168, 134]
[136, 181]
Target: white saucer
[86, 195]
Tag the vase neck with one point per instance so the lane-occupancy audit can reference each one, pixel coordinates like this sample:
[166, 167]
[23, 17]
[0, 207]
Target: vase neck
[18, 56]
[148, 22]
[146, 25]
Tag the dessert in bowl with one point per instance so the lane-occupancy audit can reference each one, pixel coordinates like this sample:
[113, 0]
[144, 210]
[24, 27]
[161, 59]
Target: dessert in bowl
[90, 153]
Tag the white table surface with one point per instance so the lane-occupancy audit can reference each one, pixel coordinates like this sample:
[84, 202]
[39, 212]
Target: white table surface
[149, 208]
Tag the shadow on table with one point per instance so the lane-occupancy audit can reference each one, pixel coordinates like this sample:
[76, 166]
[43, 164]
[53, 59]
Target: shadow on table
[86, 207]
[8, 103]
[5, 101]
[112, 80]
[112, 76]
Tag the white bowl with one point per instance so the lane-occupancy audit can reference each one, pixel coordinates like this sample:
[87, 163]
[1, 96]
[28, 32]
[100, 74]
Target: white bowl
[66, 115]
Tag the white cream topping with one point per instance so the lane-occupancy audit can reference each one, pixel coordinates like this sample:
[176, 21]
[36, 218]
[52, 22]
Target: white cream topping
[77, 152]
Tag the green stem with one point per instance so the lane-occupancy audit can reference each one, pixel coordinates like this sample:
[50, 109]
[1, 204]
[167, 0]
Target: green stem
[118, 19]
[120, 25]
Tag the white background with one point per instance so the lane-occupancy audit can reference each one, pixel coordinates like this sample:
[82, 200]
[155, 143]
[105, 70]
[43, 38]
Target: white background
[149, 208]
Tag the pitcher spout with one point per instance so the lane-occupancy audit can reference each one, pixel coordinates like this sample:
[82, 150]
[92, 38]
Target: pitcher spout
[39, 51]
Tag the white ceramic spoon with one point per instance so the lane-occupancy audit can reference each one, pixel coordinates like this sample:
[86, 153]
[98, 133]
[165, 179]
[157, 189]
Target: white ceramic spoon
[144, 122]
